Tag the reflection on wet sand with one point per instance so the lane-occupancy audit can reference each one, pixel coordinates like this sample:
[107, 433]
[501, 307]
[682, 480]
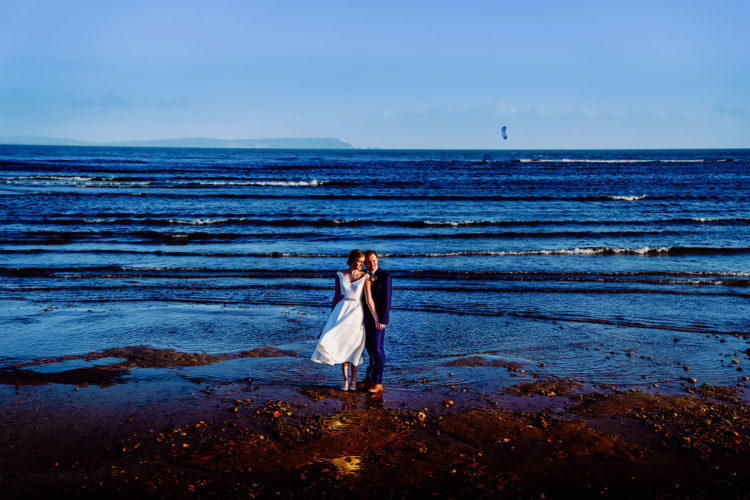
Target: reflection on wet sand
[443, 435]
[122, 359]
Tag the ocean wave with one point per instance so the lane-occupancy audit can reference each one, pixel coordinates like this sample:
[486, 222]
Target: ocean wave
[127, 219]
[629, 198]
[198, 222]
[182, 238]
[530, 234]
[312, 183]
[271, 195]
[79, 182]
[596, 251]
[581, 222]
[645, 277]
[88, 181]
[312, 234]
[50, 178]
[607, 160]
[466, 223]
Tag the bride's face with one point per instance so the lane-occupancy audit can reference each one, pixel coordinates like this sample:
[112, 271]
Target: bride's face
[358, 264]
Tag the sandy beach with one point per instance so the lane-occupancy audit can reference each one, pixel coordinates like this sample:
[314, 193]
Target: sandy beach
[121, 424]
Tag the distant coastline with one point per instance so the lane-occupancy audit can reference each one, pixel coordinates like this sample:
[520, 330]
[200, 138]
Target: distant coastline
[188, 142]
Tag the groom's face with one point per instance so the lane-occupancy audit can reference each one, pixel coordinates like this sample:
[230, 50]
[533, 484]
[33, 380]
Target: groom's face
[371, 262]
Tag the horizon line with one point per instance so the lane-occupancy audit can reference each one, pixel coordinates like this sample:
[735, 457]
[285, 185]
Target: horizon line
[38, 140]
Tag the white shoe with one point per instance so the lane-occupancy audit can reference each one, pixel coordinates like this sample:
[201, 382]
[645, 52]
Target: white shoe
[353, 386]
[345, 386]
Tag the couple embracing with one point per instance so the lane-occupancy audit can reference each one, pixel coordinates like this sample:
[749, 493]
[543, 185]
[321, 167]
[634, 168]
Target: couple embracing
[359, 316]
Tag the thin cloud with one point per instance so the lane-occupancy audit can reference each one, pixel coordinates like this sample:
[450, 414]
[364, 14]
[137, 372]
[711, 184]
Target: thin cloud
[105, 101]
[739, 113]
[116, 101]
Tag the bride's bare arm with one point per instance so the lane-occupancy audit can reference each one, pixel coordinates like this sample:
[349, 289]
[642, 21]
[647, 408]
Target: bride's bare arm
[337, 296]
[370, 302]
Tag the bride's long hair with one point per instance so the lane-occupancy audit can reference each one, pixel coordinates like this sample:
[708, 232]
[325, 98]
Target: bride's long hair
[354, 256]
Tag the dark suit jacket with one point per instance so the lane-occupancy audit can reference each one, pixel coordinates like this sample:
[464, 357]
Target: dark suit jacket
[380, 286]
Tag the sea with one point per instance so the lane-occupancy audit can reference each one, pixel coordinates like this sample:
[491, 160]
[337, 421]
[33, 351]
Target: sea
[622, 267]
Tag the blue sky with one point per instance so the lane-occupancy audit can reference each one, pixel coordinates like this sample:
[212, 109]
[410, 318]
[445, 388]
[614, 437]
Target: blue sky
[419, 74]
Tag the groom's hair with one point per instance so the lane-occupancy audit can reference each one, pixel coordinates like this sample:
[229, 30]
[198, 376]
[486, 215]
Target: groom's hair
[370, 252]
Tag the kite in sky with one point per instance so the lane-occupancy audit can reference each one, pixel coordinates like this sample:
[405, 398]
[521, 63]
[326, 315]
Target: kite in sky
[503, 131]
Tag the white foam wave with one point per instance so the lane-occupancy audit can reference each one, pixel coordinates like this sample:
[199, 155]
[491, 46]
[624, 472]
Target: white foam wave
[716, 219]
[646, 250]
[681, 161]
[73, 181]
[557, 251]
[741, 274]
[51, 178]
[312, 183]
[628, 198]
[157, 268]
[346, 221]
[603, 160]
[599, 251]
[452, 223]
[198, 222]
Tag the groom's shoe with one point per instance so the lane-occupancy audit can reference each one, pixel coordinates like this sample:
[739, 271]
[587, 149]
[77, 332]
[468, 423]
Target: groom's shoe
[375, 389]
[364, 385]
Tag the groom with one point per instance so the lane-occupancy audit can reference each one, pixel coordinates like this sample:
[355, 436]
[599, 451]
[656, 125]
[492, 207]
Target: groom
[380, 285]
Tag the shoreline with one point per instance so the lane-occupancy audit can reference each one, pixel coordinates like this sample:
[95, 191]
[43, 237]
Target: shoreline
[162, 435]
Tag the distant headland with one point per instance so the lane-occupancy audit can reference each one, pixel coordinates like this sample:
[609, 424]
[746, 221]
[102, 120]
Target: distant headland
[189, 142]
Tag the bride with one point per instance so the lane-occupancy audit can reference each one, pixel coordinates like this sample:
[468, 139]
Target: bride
[343, 337]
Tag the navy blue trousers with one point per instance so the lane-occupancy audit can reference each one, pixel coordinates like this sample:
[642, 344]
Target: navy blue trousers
[375, 353]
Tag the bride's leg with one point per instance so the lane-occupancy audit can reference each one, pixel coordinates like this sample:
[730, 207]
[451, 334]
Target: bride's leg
[345, 373]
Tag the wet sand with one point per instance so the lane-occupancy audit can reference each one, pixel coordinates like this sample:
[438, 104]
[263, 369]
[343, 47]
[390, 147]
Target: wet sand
[98, 430]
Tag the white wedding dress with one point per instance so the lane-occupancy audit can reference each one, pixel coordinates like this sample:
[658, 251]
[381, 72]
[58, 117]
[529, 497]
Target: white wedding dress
[343, 337]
